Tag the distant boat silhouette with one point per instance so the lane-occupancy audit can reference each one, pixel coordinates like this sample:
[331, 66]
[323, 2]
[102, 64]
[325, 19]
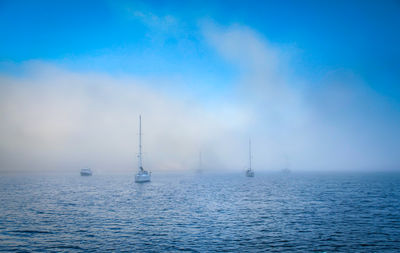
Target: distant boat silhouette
[286, 170]
[249, 171]
[143, 175]
[86, 172]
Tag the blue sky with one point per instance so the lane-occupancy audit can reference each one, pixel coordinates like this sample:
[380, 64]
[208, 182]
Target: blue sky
[358, 35]
[316, 81]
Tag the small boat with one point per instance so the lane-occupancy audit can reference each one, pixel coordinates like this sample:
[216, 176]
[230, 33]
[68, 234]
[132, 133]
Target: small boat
[86, 172]
[143, 175]
[249, 171]
[286, 169]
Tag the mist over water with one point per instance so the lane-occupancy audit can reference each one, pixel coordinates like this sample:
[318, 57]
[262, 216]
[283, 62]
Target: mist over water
[312, 85]
[201, 213]
[60, 118]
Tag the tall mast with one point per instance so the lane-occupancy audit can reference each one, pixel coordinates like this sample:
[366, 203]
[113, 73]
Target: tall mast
[140, 144]
[250, 154]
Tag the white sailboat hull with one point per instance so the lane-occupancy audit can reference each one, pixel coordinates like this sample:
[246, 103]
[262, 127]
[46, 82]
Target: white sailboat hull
[249, 173]
[143, 177]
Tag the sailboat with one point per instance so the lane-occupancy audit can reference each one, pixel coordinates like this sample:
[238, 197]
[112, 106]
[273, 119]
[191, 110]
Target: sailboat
[86, 172]
[286, 170]
[143, 175]
[249, 171]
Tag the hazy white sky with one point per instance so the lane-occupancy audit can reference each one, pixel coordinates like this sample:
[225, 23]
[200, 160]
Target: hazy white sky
[59, 116]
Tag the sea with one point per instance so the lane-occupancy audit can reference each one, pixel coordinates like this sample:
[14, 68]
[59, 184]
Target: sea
[224, 212]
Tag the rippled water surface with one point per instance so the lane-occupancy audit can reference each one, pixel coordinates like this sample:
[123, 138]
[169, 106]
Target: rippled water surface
[201, 213]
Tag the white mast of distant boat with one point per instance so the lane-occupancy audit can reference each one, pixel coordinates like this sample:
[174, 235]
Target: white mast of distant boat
[249, 171]
[142, 175]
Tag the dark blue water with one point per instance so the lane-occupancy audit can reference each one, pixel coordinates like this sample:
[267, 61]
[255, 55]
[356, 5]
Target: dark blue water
[207, 213]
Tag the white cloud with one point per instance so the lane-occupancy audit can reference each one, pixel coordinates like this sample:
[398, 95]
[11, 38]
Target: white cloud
[162, 23]
[335, 125]
[56, 119]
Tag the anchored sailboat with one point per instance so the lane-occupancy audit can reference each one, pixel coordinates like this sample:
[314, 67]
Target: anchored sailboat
[249, 171]
[142, 175]
[86, 172]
